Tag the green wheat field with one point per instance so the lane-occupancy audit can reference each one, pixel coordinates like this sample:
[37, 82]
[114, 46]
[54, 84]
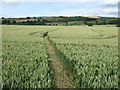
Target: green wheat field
[90, 53]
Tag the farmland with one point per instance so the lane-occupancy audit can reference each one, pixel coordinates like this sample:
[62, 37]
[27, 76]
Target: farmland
[25, 60]
[93, 53]
[89, 53]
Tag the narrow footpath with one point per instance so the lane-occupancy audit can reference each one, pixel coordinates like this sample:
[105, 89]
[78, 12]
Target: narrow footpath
[61, 80]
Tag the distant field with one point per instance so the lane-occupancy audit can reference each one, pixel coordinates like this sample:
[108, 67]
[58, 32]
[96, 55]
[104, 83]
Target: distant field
[90, 53]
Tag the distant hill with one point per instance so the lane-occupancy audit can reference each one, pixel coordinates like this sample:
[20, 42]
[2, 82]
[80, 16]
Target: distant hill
[60, 20]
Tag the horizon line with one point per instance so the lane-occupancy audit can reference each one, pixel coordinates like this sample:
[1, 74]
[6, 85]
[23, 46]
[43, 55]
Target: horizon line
[56, 16]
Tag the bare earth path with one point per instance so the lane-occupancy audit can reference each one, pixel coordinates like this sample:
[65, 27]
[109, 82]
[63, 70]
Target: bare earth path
[61, 80]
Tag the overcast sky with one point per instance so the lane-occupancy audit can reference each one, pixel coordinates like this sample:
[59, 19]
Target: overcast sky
[20, 8]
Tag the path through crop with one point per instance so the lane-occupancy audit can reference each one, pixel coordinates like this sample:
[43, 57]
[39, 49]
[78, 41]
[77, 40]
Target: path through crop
[61, 80]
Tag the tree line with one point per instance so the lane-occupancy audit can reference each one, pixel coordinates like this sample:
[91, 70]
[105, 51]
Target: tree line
[60, 19]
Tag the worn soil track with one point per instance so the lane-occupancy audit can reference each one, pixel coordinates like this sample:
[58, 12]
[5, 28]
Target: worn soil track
[61, 80]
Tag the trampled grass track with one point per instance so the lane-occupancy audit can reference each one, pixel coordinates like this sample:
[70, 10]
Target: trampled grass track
[60, 74]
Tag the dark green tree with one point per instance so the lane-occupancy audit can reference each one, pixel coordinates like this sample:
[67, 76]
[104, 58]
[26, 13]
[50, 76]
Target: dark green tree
[13, 22]
[3, 17]
[28, 18]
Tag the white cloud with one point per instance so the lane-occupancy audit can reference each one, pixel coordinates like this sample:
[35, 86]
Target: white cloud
[110, 10]
[50, 0]
[110, 1]
[104, 1]
[11, 0]
[107, 15]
